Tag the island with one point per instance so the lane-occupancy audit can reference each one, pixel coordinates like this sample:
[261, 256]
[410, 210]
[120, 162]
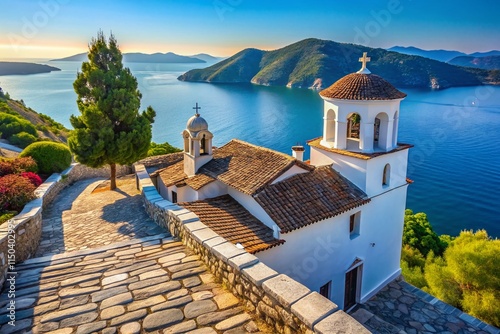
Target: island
[138, 57]
[315, 63]
[20, 68]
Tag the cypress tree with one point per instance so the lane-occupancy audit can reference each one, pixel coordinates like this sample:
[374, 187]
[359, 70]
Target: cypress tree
[110, 129]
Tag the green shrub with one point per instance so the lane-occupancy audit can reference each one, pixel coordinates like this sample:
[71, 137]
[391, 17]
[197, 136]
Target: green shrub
[50, 157]
[11, 125]
[41, 127]
[4, 216]
[160, 149]
[15, 192]
[22, 139]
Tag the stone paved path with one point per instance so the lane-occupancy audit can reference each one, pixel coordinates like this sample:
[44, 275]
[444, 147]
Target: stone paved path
[402, 308]
[130, 287]
[128, 281]
[79, 219]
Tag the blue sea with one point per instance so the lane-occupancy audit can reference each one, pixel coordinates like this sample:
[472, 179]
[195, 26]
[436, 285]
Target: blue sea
[455, 164]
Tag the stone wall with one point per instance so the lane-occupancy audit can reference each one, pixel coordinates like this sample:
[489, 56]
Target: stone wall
[20, 236]
[277, 299]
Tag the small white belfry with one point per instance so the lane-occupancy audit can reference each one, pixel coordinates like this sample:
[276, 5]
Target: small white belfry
[197, 143]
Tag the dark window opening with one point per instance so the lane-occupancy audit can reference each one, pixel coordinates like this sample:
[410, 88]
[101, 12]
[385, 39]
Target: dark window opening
[376, 130]
[387, 175]
[203, 149]
[174, 197]
[354, 222]
[325, 290]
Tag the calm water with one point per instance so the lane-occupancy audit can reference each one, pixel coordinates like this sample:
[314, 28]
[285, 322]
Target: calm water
[456, 132]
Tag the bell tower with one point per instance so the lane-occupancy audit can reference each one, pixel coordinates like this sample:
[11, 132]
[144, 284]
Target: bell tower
[360, 131]
[197, 143]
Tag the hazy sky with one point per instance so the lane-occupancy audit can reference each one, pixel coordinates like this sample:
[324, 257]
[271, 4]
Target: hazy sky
[57, 28]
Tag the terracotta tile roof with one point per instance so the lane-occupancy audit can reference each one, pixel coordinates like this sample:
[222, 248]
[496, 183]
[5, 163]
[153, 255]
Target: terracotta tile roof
[229, 219]
[360, 155]
[307, 198]
[199, 181]
[357, 86]
[247, 167]
[238, 164]
[172, 174]
[162, 161]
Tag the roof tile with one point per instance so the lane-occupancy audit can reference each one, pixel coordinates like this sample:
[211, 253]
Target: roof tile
[238, 164]
[358, 86]
[230, 220]
[307, 198]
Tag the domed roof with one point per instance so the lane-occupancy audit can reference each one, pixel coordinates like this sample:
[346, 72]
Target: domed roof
[362, 86]
[196, 123]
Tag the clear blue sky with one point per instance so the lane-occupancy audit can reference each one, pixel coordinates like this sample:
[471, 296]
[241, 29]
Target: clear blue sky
[53, 28]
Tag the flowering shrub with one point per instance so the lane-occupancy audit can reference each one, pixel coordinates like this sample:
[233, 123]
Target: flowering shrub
[32, 177]
[15, 192]
[17, 166]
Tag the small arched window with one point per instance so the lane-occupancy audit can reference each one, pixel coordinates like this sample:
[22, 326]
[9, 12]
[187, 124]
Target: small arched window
[353, 126]
[186, 144]
[203, 149]
[386, 177]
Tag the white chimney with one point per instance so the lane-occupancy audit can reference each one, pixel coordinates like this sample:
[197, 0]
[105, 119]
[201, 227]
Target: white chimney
[298, 152]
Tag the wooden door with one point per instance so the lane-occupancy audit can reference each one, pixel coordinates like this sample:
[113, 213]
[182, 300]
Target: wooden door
[351, 285]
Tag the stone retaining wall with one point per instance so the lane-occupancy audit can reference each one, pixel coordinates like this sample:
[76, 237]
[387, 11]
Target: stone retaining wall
[280, 301]
[20, 236]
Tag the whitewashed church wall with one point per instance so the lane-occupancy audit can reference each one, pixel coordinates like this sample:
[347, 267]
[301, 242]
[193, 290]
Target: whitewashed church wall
[352, 168]
[324, 251]
[162, 189]
[292, 171]
[213, 189]
[375, 170]
[384, 228]
[249, 203]
[186, 194]
[317, 254]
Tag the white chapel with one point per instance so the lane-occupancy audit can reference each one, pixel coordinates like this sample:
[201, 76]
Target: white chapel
[334, 222]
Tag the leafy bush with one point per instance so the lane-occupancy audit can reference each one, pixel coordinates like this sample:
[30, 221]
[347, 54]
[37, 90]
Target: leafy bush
[468, 275]
[6, 216]
[4, 107]
[17, 166]
[10, 125]
[50, 157]
[22, 139]
[52, 123]
[413, 275]
[160, 149]
[418, 234]
[32, 177]
[15, 192]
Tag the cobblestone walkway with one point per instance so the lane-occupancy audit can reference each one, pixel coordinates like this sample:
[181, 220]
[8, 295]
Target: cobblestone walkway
[128, 281]
[79, 219]
[130, 287]
[402, 308]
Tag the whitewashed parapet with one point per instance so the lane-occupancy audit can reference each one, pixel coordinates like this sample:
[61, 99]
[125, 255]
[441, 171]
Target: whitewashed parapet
[283, 303]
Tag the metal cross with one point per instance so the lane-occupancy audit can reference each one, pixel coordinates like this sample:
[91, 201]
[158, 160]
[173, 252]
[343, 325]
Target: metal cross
[197, 108]
[364, 60]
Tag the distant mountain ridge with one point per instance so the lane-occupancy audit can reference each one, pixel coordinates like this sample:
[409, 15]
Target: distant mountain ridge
[440, 55]
[486, 62]
[314, 63]
[22, 68]
[138, 57]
